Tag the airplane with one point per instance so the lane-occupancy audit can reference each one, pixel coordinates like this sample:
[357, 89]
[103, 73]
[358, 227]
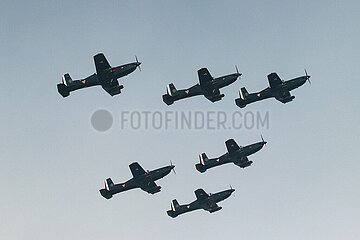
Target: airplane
[203, 201]
[236, 154]
[278, 89]
[105, 75]
[141, 179]
[207, 86]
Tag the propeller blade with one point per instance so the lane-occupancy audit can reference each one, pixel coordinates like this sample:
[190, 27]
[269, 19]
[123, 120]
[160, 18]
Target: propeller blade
[232, 189]
[307, 76]
[262, 139]
[171, 206]
[237, 70]
[173, 167]
[137, 61]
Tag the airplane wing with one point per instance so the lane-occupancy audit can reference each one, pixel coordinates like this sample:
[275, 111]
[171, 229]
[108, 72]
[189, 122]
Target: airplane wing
[243, 162]
[274, 80]
[101, 63]
[214, 95]
[150, 187]
[211, 207]
[136, 169]
[231, 146]
[201, 194]
[204, 76]
[111, 86]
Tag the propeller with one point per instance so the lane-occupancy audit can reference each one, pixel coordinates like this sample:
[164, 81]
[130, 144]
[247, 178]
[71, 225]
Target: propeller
[237, 70]
[232, 189]
[307, 76]
[262, 139]
[172, 167]
[138, 63]
[171, 206]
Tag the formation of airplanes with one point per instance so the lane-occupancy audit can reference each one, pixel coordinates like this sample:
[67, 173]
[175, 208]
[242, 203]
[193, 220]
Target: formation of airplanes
[208, 86]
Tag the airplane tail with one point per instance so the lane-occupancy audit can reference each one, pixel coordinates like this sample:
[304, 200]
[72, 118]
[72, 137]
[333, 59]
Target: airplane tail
[201, 166]
[109, 184]
[175, 204]
[243, 100]
[203, 158]
[106, 192]
[66, 79]
[62, 87]
[243, 93]
[170, 89]
[173, 211]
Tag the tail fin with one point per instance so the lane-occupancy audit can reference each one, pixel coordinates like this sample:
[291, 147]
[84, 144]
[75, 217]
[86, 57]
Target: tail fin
[66, 79]
[203, 158]
[109, 184]
[243, 93]
[175, 204]
[170, 89]
[63, 86]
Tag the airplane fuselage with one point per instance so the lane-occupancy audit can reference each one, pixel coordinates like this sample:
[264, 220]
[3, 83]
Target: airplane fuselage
[154, 175]
[220, 82]
[285, 87]
[117, 72]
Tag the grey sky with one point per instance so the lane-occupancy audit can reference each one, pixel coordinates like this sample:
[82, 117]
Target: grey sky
[302, 185]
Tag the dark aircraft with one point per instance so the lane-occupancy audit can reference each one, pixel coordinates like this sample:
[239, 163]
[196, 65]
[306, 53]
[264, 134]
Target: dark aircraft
[203, 201]
[141, 179]
[105, 75]
[237, 155]
[208, 86]
[278, 89]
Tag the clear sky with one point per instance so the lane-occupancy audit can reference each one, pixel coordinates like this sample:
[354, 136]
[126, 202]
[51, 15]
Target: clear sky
[303, 185]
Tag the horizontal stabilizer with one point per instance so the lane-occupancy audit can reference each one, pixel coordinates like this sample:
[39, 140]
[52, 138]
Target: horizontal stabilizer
[105, 193]
[63, 90]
